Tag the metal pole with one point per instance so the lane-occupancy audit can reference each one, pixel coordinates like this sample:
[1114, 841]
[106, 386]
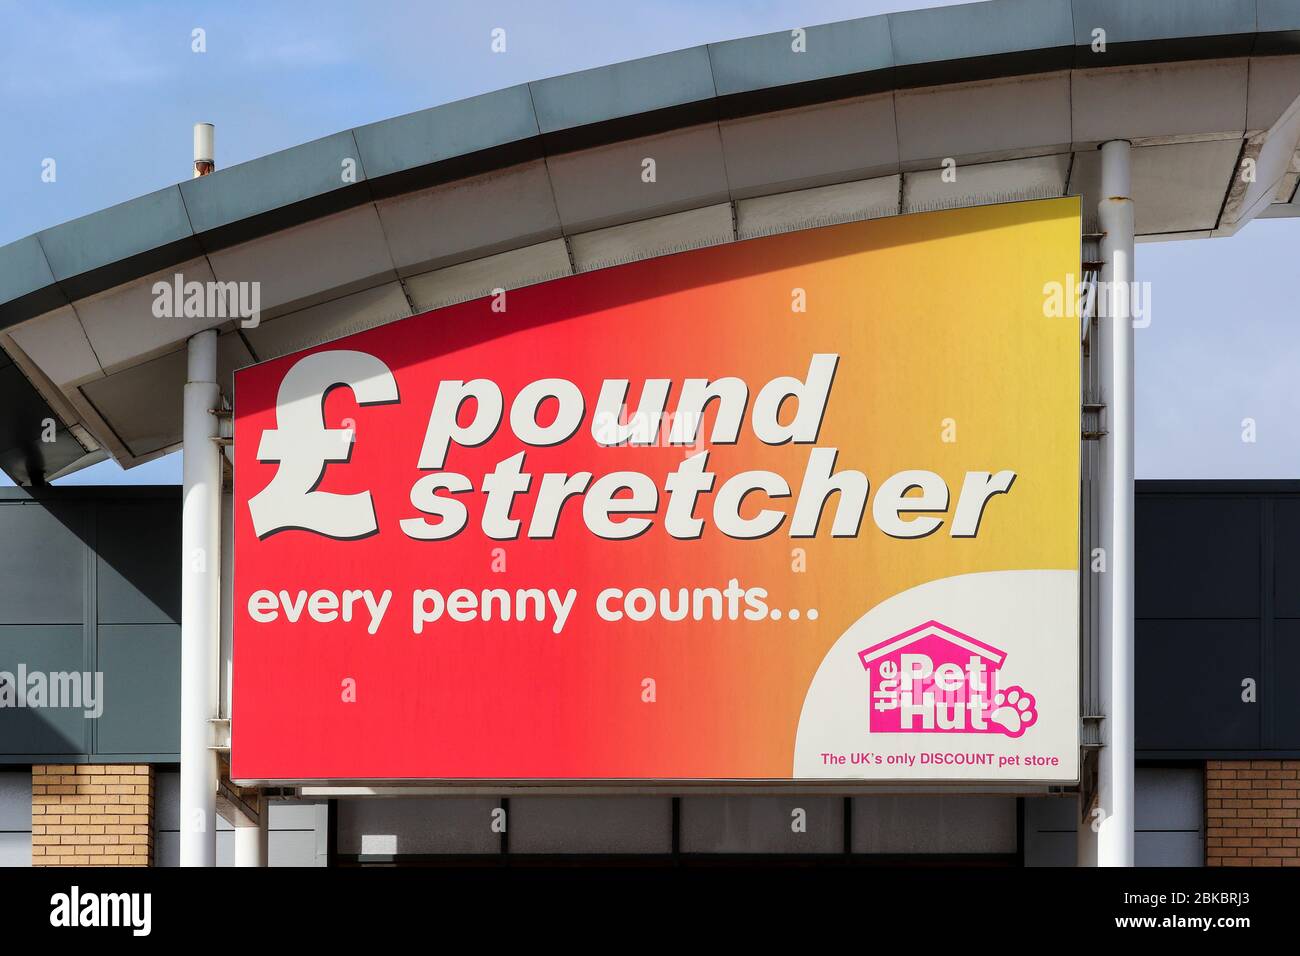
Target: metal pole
[250, 841]
[227, 597]
[200, 598]
[1115, 769]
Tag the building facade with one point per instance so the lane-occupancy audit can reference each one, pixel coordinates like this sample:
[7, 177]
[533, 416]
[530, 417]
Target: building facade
[89, 587]
[1143, 116]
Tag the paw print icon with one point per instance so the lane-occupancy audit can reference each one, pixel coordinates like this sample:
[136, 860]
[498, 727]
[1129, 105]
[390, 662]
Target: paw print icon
[1013, 710]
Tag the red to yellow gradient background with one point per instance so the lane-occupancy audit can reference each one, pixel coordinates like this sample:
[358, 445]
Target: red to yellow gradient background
[936, 316]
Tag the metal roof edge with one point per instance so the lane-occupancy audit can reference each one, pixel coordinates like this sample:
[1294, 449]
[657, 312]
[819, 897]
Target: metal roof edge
[634, 98]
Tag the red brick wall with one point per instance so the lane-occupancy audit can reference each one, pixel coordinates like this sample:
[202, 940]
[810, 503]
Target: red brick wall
[1252, 810]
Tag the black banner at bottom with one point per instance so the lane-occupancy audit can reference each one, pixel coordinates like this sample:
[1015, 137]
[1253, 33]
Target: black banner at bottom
[737, 900]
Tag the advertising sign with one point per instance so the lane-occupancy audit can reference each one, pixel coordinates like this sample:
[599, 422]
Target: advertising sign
[798, 508]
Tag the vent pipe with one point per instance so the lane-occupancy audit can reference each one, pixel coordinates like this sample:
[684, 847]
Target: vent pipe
[204, 149]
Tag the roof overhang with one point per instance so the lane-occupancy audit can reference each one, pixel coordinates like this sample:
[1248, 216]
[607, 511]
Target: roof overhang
[543, 180]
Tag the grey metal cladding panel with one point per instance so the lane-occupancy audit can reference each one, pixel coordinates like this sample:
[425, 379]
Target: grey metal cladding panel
[1051, 831]
[292, 848]
[1198, 557]
[42, 563]
[270, 183]
[139, 549]
[761, 824]
[839, 49]
[23, 269]
[42, 730]
[1286, 557]
[623, 89]
[1279, 27]
[590, 825]
[417, 825]
[225, 848]
[15, 800]
[141, 664]
[980, 29]
[1169, 798]
[1051, 849]
[16, 849]
[1274, 15]
[1052, 813]
[1177, 848]
[448, 131]
[936, 823]
[293, 814]
[166, 800]
[167, 848]
[111, 235]
[1188, 677]
[1285, 700]
[1126, 21]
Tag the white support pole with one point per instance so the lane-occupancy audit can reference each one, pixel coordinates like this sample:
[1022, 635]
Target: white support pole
[250, 838]
[250, 841]
[200, 598]
[226, 621]
[1115, 786]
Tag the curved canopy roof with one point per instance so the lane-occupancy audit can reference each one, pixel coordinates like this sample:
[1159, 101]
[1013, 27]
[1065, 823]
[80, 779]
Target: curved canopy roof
[541, 180]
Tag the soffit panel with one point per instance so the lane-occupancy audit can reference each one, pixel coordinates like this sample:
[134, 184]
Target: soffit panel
[121, 324]
[823, 206]
[648, 238]
[1274, 86]
[469, 218]
[58, 345]
[984, 118]
[604, 186]
[328, 321]
[1176, 188]
[810, 146]
[343, 252]
[481, 277]
[1041, 177]
[1171, 101]
[129, 401]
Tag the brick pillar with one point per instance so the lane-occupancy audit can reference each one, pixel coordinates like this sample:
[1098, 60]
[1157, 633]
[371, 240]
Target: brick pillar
[1252, 810]
[92, 815]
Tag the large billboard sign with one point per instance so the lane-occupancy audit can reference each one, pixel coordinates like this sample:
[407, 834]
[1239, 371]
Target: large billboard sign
[798, 508]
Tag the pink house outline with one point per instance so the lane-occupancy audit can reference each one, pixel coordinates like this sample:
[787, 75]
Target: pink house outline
[900, 641]
[934, 638]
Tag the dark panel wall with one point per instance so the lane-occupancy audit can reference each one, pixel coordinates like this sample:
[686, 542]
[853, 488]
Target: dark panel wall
[1218, 604]
[89, 582]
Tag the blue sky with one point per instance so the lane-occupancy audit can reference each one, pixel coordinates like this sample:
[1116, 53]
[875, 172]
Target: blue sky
[112, 90]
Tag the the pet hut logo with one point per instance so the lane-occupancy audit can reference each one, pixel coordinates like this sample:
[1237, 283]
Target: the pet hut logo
[935, 680]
